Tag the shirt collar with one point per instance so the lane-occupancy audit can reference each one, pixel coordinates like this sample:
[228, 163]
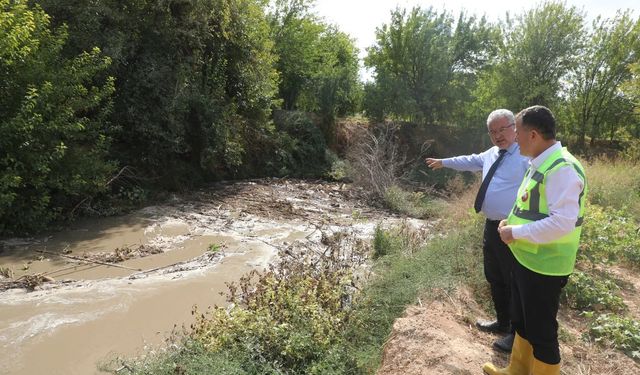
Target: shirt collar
[537, 162]
[511, 149]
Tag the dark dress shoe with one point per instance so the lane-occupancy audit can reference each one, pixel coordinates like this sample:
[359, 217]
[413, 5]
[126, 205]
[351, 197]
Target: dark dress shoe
[505, 343]
[493, 327]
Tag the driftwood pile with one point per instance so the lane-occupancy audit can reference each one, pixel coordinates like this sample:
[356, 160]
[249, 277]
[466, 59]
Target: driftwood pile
[28, 282]
[31, 282]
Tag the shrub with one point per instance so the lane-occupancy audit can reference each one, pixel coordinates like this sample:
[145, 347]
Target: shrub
[585, 292]
[618, 332]
[609, 235]
[190, 357]
[375, 160]
[299, 148]
[291, 317]
[382, 243]
[338, 167]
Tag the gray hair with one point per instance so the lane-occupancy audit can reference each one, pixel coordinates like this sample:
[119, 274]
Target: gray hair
[501, 113]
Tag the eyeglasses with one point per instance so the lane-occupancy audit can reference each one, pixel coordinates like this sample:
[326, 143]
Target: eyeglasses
[502, 130]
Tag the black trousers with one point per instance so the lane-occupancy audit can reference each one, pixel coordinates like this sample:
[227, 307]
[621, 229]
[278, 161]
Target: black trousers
[498, 263]
[535, 300]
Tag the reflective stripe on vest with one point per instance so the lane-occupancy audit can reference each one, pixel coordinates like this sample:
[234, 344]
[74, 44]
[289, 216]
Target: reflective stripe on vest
[557, 257]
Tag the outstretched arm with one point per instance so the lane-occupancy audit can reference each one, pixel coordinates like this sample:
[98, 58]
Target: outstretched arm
[472, 163]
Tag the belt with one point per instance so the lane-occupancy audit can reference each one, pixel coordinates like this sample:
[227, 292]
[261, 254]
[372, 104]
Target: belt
[494, 222]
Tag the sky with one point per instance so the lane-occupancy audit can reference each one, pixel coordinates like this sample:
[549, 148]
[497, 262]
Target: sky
[359, 18]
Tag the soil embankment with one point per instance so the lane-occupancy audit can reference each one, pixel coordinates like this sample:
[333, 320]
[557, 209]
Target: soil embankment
[440, 337]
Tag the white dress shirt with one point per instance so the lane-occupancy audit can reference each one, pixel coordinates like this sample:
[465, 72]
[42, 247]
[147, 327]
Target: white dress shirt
[563, 188]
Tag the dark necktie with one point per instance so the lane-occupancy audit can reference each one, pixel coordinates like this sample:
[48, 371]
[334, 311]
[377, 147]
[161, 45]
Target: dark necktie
[485, 183]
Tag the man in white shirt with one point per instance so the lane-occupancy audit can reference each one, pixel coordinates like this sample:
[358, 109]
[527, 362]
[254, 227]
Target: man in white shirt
[502, 169]
[543, 233]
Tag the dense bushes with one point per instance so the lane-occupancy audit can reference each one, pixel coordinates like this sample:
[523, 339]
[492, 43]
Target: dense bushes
[195, 81]
[54, 128]
[293, 318]
[299, 148]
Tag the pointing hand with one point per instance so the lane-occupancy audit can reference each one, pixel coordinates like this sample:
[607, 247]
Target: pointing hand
[433, 163]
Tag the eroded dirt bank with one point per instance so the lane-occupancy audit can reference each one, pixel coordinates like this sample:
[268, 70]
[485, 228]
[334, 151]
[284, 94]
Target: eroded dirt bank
[193, 245]
[439, 337]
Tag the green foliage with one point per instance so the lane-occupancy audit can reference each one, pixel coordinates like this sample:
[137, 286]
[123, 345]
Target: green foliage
[618, 332]
[595, 103]
[120, 199]
[214, 248]
[298, 146]
[335, 90]
[191, 357]
[589, 293]
[541, 47]
[632, 152]
[195, 81]
[296, 33]
[608, 236]
[338, 167]
[424, 68]
[289, 319]
[382, 243]
[317, 63]
[54, 133]
[631, 89]
[414, 204]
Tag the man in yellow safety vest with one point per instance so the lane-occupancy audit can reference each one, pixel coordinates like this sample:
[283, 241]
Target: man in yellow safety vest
[543, 233]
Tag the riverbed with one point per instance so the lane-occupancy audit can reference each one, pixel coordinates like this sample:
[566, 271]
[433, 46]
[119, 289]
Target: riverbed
[88, 312]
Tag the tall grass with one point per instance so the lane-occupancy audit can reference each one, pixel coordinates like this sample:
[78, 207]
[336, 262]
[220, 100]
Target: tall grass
[614, 184]
[413, 204]
[403, 277]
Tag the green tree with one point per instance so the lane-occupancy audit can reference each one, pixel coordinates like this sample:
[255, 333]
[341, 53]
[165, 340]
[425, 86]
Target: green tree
[596, 102]
[195, 81]
[53, 130]
[317, 64]
[296, 34]
[541, 47]
[334, 88]
[631, 89]
[424, 67]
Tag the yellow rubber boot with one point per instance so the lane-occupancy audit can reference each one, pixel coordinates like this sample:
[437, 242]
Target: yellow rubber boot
[520, 362]
[541, 368]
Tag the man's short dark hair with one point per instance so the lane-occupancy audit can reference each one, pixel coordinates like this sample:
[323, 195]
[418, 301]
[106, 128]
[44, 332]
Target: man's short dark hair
[539, 118]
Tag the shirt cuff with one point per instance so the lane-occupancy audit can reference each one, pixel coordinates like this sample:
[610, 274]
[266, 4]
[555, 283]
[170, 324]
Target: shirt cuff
[518, 231]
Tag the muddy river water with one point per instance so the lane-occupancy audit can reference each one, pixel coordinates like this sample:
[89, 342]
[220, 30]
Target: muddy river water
[90, 312]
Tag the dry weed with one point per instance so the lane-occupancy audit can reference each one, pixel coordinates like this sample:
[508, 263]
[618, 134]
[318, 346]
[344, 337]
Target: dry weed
[376, 161]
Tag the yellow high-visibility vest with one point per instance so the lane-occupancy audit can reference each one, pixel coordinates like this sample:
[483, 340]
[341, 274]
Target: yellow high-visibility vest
[556, 258]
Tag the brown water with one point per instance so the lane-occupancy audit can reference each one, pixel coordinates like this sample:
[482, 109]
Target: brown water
[66, 328]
